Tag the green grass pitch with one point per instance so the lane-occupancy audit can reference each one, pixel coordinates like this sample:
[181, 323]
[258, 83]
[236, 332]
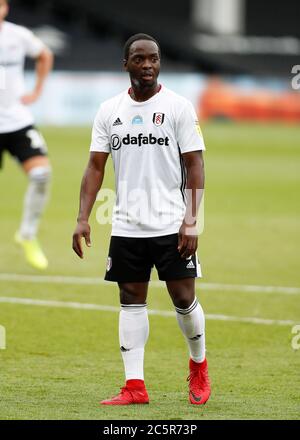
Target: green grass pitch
[60, 362]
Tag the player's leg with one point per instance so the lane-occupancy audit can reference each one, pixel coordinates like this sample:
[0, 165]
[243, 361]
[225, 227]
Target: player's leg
[191, 320]
[133, 328]
[190, 315]
[29, 148]
[128, 261]
[38, 170]
[133, 335]
[180, 275]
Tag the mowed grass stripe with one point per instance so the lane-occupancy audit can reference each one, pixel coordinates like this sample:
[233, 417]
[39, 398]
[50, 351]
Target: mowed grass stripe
[58, 279]
[165, 313]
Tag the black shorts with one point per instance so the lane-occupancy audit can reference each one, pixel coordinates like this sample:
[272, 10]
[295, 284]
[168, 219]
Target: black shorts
[23, 144]
[131, 260]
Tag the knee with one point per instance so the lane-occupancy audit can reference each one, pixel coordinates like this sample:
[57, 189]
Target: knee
[183, 300]
[183, 303]
[41, 176]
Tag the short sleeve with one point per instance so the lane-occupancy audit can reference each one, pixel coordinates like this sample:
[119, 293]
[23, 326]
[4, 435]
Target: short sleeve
[189, 135]
[33, 46]
[100, 138]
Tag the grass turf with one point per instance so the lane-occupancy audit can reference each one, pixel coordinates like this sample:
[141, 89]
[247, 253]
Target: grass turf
[60, 362]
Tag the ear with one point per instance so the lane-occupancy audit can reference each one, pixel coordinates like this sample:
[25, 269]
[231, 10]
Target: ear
[125, 64]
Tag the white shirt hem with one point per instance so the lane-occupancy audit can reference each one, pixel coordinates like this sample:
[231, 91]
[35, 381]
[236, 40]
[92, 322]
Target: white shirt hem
[138, 234]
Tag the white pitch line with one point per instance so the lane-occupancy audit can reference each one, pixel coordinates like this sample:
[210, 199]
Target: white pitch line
[57, 279]
[166, 313]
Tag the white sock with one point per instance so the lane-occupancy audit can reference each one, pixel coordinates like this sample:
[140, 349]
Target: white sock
[133, 335]
[35, 200]
[192, 323]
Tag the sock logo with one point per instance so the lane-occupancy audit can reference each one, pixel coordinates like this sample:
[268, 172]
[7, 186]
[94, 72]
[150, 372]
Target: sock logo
[123, 349]
[195, 338]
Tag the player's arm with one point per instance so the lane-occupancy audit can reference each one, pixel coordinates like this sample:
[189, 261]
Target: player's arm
[188, 238]
[90, 185]
[43, 65]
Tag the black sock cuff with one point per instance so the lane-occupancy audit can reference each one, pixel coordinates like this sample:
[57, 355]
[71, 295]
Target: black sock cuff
[133, 307]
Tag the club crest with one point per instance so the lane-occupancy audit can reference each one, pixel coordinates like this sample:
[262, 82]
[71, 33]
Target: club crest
[158, 119]
[108, 264]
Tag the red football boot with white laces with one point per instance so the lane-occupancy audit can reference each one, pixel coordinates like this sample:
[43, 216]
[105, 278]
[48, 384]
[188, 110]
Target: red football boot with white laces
[134, 392]
[199, 384]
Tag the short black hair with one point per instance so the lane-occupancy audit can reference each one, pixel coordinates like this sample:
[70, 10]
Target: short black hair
[138, 37]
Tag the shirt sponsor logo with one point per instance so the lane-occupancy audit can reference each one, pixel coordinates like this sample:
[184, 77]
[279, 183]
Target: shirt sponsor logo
[137, 120]
[116, 141]
[158, 119]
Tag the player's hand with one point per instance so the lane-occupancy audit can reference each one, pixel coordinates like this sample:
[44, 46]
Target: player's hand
[187, 240]
[30, 98]
[82, 230]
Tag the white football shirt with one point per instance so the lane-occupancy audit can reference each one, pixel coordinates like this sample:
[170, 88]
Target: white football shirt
[16, 42]
[146, 141]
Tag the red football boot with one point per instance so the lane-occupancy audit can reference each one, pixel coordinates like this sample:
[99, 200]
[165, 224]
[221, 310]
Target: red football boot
[199, 384]
[134, 392]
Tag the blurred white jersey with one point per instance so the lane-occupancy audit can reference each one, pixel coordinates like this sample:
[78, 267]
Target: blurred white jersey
[16, 42]
[146, 141]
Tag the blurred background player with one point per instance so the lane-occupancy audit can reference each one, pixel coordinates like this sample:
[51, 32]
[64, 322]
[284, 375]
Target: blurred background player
[18, 135]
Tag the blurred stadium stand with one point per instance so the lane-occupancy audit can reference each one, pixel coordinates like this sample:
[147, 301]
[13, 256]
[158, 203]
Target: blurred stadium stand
[211, 36]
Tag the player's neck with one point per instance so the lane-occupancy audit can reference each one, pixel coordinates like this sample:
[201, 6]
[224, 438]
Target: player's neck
[141, 94]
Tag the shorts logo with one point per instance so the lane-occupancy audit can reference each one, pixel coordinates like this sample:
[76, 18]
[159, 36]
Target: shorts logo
[137, 120]
[108, 264]
[190, 265]
[158, 119]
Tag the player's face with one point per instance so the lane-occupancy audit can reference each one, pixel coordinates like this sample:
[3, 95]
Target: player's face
[143, 63]
[3, 9]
